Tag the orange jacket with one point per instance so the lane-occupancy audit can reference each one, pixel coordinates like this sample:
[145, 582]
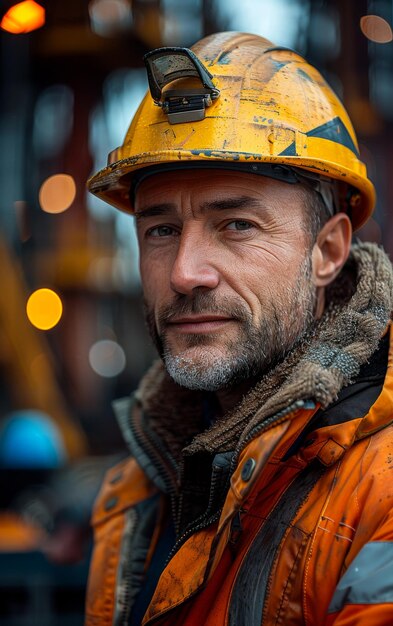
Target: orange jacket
[305, 536]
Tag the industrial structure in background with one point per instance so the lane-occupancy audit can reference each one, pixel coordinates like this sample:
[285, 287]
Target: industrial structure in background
[68, 89]
[72, 334]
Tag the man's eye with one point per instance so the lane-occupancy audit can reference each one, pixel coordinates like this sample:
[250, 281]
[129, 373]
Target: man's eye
[161, 231]
[239, 225]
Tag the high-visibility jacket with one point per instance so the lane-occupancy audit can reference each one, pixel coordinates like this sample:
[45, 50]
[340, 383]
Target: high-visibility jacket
[304, 536]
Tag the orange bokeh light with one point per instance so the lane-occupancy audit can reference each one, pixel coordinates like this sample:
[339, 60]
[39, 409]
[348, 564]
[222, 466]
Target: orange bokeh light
[23, 17]
[376, 28]
[44, 308]
[57, 193]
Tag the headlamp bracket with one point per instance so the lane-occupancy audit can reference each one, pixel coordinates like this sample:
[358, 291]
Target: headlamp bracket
[165, 65]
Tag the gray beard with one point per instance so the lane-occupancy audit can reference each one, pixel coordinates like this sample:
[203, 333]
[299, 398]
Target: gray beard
[256, 349]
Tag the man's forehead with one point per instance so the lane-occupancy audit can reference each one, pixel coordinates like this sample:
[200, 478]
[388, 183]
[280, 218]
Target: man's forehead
[209, 186]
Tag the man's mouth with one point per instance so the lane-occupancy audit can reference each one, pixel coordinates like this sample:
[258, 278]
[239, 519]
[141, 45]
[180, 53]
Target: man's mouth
[201, 323]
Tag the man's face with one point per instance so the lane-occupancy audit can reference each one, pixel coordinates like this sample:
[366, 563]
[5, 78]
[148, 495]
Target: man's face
[226, 272]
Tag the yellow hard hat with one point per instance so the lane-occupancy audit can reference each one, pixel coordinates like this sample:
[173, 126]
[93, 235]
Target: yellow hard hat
[236, 100]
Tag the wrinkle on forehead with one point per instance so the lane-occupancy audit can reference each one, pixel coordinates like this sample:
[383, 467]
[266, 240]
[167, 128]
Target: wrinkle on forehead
[225, 204]
[194, 193]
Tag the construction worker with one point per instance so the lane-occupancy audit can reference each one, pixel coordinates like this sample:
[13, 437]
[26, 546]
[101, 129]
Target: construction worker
[257, 489]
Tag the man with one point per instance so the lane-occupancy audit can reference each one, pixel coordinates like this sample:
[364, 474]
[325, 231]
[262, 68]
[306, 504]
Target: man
[258, 487]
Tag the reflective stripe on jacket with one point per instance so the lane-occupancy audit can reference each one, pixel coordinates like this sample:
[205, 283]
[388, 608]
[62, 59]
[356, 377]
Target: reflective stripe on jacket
[305, 536]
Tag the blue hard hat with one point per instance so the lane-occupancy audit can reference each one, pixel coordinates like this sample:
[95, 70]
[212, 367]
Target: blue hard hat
[30, 439]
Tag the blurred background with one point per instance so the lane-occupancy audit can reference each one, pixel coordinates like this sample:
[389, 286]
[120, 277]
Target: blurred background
[72, 335]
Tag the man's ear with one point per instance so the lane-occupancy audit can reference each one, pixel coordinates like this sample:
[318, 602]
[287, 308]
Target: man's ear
[331, 249]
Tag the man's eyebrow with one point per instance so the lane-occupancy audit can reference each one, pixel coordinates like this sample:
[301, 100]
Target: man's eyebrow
[226, 204]
[223, 204]
[154, 210]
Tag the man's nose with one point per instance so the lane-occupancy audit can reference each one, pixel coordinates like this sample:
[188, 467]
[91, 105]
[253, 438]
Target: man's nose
[193, 266]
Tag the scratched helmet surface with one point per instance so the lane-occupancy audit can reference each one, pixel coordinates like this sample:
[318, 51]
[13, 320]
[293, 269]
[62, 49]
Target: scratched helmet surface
[262, 104]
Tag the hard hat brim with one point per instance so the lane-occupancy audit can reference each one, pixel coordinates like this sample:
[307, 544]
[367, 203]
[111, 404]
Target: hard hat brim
[112, 183]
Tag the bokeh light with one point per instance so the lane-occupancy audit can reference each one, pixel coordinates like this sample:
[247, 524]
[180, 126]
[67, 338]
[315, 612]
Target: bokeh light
[44, 308]
[376, 28]
[57, 193]
[109, 16]
[30, 439]
[107, 358]
[23, 17]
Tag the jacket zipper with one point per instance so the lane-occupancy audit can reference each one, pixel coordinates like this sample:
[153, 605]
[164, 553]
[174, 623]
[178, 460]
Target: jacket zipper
[274, 420]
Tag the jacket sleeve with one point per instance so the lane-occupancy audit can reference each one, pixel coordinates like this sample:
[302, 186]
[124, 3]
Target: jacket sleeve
[364, 594]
